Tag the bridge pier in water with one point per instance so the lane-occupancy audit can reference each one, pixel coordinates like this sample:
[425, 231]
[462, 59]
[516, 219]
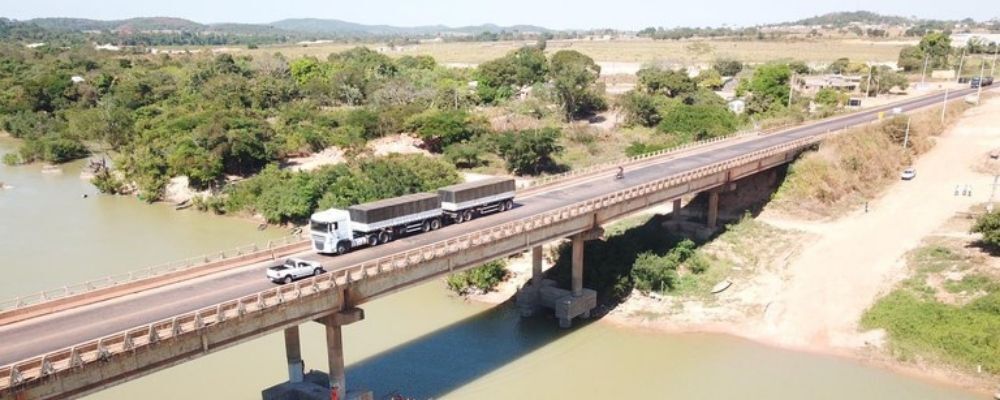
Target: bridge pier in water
[316, 385]
[567, 304]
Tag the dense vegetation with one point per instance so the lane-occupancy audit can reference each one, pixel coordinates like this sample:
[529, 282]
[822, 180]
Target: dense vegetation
[483, 278]
[221, 119]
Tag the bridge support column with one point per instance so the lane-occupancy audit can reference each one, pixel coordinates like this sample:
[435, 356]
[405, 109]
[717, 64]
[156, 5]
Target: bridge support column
[713, 208]
[527, 299]
[536, 265]
[293, 352]
[676, 213]
[577, 278]
[335, 357]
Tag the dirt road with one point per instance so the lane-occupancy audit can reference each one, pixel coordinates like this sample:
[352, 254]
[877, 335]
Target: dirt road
[854, 259]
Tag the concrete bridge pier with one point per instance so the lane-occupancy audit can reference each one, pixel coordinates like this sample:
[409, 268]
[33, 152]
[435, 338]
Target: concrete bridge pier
[713, 209]
[316, 385]
[527, 299]
[293, 352]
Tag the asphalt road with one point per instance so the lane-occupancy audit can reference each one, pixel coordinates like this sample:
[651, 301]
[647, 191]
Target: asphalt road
[38, 336]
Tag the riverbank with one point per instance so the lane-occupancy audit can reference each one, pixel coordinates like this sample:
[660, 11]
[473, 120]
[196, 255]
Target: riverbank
[809, 291]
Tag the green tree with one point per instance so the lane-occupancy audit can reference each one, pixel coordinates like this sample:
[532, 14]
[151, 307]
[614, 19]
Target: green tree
[829, 98]
[530, 151]
[667, 82]
[839, 66]
[727, 67]
[911, 58]
[442, 128]
[769, 88]
[989, 226]
[574, 76]
[697, 122]
[937, 47]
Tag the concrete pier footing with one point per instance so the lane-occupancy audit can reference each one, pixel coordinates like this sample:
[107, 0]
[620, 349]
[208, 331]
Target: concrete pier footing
[312, 387]
[567, 304]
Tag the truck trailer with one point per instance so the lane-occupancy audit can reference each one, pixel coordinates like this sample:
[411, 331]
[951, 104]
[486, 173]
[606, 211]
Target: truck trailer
[465, 201]
[337, 231]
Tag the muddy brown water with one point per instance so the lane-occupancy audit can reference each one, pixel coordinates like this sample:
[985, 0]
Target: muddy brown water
[421, 343]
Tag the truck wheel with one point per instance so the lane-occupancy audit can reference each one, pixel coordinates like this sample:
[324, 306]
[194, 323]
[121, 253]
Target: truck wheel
[458, 218]
[426, 227]
[435, 224]
[342, 248]
[317, 271]
[467, 215]
[384, 237]
[373, 240]
[287, 279]
[509, 205]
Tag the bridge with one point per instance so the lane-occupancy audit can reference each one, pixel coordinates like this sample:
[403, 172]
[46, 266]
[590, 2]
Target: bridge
[80, 339]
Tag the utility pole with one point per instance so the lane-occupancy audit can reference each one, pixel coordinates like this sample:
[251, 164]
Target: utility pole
[923, 76]
[868, 87]
[906, 137]
[996, 47]
[960, 62]
[944, 104]
[996, 182]
[979, 92]
[791, 85]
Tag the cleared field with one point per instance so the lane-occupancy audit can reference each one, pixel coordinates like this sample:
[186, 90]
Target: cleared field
[630, 51]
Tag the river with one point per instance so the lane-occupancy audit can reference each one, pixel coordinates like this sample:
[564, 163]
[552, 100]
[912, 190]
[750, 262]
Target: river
[422, 342]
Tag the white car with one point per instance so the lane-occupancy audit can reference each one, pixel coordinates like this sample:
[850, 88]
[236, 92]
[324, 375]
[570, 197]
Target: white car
[908, 174]
[292, 269]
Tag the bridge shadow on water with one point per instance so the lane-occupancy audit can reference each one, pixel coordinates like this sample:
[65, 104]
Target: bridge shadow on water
[444, 360]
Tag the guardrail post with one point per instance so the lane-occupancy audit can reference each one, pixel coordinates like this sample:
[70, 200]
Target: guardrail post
[75, 359]
[153, 335]
[102, 351]
[127, 343]
[47, 368]
[15, 376]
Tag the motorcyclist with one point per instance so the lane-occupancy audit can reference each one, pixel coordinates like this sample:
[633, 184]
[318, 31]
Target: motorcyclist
[620, 174]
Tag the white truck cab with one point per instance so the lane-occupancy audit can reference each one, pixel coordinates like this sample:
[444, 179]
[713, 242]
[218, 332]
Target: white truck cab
[331, 231]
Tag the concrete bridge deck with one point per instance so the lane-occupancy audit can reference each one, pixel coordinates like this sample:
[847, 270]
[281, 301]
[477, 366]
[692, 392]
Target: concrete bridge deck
[71, 352]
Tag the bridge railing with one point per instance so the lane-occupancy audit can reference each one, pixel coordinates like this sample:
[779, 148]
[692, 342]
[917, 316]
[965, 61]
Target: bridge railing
[145, 273]
[80, 355]
[550, 179]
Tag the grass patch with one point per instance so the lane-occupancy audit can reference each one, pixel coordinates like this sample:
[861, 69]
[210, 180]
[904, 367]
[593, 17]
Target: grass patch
[921, 325]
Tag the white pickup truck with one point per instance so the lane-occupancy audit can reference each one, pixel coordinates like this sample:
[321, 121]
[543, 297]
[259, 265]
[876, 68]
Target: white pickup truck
[293, 268]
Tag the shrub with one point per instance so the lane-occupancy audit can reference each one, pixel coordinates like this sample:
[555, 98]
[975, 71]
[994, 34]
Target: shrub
[698, 122]
[483, 278]
[652, 273]
[12, 159]
[989, 226]
[106, 182]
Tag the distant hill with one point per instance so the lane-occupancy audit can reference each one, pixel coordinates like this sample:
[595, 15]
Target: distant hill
[842, 19]
[125, 25]
[339, 27]
[303, 26]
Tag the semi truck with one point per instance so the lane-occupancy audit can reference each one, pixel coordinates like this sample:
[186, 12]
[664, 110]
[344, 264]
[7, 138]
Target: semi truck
[977, 81]
[465, 201]
[338, 231]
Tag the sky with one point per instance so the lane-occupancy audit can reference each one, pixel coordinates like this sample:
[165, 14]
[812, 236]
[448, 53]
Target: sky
[577, 14]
